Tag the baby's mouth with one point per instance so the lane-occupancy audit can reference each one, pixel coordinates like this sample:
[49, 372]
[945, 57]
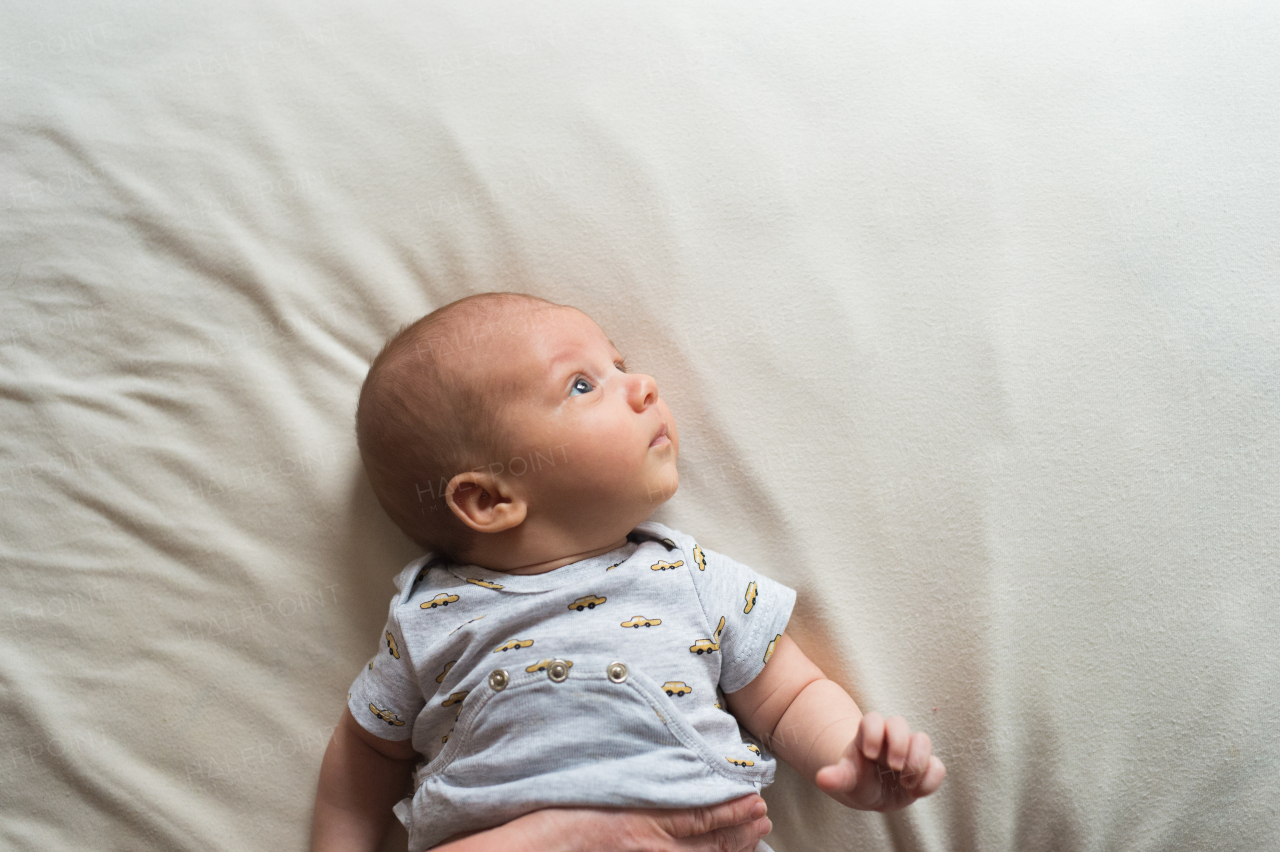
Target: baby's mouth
[660, 437]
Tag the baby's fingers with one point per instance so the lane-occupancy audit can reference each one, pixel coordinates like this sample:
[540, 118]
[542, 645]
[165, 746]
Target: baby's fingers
[897, 735]
[837, 777]
[870, 736]
[932, 780]
[919, 750]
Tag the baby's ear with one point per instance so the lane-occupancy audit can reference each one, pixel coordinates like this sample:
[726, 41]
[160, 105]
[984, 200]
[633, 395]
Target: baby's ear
[484, 503]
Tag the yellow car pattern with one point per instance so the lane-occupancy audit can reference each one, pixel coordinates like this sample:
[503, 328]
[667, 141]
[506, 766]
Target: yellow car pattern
[484, 584]
[737, 762]
[750, 597]
[614, 565]
[513, 644]
[440, 677]
[456, 698]
[587, 602]
[639, 621]
[442, 599]
[699, 559]
[708, 646]
[676, 687]
[753, 747]
[542, 665]
[768, 652]
[671, 545]
[391, 646]
[663, 566]
[464, 624]
[385, 715]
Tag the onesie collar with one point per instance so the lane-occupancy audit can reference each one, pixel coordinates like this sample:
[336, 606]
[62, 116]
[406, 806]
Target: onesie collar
[565, 575]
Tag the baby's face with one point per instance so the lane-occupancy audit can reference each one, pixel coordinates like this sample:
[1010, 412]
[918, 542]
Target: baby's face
[599, 443]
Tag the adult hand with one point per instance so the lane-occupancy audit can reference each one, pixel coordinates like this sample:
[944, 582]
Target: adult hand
[733, 826]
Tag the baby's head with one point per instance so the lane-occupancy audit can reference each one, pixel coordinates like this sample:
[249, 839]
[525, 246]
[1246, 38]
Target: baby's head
[504, 430]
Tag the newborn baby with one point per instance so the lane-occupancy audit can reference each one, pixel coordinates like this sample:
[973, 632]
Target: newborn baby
[554, 648]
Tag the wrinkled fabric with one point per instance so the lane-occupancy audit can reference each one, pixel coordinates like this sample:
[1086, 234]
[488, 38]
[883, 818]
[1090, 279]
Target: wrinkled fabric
[966, 311]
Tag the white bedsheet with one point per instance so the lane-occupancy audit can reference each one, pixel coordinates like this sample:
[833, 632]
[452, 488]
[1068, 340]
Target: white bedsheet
[969, 315]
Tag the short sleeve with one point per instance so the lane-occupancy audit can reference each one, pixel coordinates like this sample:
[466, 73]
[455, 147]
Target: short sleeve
[755, 610]
[385, 698]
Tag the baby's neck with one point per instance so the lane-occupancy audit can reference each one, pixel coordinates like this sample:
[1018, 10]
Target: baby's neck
[553, 564]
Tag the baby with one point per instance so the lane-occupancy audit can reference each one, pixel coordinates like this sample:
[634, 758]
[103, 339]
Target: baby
[554, 648]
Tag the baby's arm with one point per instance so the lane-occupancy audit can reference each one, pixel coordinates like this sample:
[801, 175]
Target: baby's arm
[361, 777]
[864, 762]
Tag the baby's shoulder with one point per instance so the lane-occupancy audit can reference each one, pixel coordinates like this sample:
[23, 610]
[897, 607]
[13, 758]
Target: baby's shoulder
[674, 540]
[425, 574]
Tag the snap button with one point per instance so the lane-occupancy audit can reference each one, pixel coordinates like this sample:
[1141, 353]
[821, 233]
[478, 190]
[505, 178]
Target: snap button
[498, 679]
[558, 671]
[617, 672]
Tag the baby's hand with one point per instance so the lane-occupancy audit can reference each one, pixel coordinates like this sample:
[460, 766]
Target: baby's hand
[885, 768]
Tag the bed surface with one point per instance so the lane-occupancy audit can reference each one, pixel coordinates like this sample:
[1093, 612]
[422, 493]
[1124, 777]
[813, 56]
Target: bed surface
[968, 315]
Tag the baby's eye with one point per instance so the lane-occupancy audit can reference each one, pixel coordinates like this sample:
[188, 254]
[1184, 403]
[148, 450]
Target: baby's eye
[621, 364]
[580, 386]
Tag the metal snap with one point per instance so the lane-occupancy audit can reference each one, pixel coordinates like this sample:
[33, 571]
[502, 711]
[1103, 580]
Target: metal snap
[558, 671]
[617, 672]
[498, 679]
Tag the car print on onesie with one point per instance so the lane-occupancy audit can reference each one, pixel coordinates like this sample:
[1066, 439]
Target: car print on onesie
[708, 646]
[541, 666]
[442, 599]
[484, 584]
[768, 652]
[639, 621]
[587, 602]
[464, 624]
[513, 644]
[385, 715]
[457, 698]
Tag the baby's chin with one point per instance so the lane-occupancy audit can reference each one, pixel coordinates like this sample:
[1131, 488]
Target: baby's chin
[664, 489]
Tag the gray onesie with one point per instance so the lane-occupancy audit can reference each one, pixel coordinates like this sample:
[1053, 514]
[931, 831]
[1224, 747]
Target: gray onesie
[599, 683]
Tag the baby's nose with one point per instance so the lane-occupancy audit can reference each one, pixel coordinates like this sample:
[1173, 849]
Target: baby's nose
[643, 391]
